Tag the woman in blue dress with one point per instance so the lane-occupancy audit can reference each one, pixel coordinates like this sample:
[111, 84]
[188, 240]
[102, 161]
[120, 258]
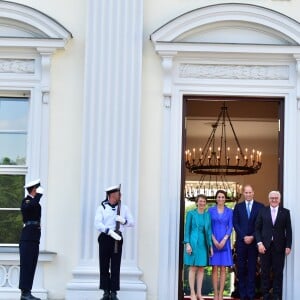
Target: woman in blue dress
[198, 244]
[221, 222]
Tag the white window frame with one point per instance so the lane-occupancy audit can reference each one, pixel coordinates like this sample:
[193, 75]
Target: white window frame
[15, 169]
[25, 61]
[31, 38]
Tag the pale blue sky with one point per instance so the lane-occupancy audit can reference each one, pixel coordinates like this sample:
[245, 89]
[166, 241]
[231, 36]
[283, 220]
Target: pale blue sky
[13, 127]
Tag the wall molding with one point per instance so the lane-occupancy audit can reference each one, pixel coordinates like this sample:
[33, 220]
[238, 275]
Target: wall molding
[223, 69]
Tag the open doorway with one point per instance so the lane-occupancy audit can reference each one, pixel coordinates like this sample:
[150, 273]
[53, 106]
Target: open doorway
[258, 123]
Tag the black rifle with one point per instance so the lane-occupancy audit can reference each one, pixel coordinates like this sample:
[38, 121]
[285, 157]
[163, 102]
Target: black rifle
[117, 227]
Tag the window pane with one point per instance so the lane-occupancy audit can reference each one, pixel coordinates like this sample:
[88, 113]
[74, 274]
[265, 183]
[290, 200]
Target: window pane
[11, 191]
[13, 148]
[14, 113]
[13, 130]
[10, 227]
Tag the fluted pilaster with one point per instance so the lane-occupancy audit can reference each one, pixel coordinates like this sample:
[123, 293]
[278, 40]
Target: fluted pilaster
[110, 135]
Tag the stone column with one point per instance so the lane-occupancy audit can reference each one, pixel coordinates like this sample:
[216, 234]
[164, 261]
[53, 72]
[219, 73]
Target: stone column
[111, 139]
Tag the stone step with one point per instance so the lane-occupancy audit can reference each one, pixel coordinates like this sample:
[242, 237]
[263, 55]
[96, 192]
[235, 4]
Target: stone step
[211, 298]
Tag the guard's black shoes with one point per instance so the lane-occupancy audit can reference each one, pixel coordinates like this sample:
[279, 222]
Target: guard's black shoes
[113, 296]
[105, 296]
[28, 296]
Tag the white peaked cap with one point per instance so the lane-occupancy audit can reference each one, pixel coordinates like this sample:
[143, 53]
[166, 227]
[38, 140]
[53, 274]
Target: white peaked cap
[113, 188]
[32, 183]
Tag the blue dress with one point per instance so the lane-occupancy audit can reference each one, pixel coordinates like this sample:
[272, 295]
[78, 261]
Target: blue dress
[221, 225]
[197, 233]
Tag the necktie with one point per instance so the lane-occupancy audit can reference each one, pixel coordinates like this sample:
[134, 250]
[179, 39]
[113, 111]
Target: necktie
[273, 213]
[248, 210]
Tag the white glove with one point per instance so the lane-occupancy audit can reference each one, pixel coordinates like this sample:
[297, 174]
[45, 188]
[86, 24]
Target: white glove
[40, 190]
[120, 219]
[114, 235]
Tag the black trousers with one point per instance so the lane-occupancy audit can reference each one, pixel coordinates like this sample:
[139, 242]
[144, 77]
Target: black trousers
[29, 252]
[272, 262]
[110, 263]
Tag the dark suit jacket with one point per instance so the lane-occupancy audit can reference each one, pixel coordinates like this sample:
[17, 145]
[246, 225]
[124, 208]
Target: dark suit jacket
[281, 231]
[242, 225]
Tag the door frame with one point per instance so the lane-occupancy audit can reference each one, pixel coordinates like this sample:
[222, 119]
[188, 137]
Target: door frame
[280, 183]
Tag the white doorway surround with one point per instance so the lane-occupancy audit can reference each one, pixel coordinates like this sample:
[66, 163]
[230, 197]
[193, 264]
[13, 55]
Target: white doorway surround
[226, 49]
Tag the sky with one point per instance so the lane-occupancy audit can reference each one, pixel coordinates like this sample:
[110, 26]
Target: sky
[13, 127]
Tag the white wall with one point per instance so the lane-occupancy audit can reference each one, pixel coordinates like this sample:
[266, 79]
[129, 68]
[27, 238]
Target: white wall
[65, 152]
[65, 137]
[62, 228]
[156, 14]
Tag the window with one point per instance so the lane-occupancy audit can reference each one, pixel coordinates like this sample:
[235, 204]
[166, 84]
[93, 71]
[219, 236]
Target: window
[13, 141]
[13, 130]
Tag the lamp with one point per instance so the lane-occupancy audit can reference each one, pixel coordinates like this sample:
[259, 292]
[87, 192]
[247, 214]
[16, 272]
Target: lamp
[210, 186]
[217, 158]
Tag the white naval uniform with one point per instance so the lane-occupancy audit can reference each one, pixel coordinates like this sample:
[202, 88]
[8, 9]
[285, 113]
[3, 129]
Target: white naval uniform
[110, 262]
[105, 217]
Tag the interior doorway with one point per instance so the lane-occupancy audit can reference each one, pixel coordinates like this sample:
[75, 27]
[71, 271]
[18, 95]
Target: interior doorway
[258, 123]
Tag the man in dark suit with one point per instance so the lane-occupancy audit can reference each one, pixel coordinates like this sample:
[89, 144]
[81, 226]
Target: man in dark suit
[244, 217]
[273, 232]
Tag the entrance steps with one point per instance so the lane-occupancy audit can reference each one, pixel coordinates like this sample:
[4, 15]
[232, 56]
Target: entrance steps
[211, 298]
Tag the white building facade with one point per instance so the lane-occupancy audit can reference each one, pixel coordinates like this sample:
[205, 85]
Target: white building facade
[105, 82]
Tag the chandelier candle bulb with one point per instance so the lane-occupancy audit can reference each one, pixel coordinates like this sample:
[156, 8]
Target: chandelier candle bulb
[209, 188]
[237, 159]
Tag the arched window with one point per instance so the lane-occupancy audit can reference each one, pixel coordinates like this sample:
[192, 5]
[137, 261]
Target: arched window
[28, 39]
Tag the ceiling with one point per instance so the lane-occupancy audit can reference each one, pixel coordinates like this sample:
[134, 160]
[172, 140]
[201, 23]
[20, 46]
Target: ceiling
[255, 122]
[244, 129]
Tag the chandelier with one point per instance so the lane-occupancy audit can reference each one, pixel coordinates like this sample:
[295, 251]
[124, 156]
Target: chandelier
[209, 188]
[217, 158]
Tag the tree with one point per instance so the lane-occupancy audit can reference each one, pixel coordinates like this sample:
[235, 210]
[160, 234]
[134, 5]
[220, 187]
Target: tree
[11, 194]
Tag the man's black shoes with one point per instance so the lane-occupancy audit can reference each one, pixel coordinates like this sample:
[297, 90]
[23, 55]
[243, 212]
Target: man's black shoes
[109, 296]
[28, 296]
[106, 296]
[113, 296]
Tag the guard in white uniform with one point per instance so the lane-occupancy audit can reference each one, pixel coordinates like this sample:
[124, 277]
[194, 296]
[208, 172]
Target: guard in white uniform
[110, 219]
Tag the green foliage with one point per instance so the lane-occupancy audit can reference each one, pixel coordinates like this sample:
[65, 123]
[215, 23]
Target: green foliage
[11, 195]
[10, 227]
[10, 162]
[188, 207]
[11, 190]
[7, 161]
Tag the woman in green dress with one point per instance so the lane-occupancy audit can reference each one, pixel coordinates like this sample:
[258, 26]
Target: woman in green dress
[198, 244]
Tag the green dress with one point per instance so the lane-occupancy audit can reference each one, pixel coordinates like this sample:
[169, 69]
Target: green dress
[197, 232]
